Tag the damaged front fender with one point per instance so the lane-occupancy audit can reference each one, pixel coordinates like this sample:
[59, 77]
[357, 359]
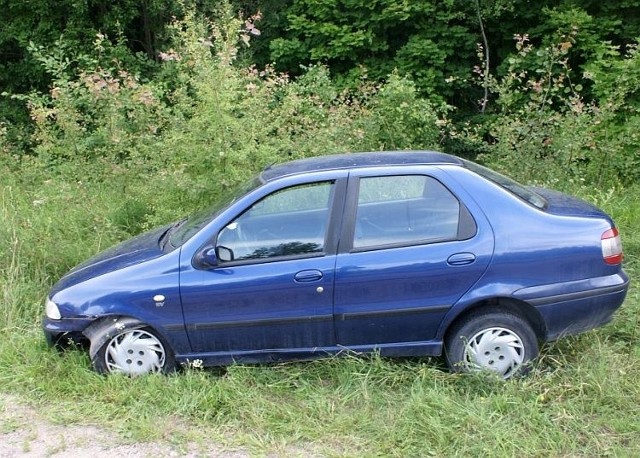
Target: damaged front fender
[99, 332]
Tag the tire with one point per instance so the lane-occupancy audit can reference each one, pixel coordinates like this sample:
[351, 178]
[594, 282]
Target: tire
[491, 340]
[133, 352]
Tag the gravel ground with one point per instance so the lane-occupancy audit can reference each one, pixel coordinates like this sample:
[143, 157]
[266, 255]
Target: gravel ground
[24, 433]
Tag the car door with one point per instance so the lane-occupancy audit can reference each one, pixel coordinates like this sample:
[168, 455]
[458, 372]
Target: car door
[273, 286]
[410, 249]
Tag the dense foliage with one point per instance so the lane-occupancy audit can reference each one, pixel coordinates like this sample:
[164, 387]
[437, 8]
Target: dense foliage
[551, 85]
[207, 119]
[434, 42]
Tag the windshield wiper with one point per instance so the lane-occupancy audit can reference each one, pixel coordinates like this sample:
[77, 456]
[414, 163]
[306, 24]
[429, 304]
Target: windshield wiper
[164, 238]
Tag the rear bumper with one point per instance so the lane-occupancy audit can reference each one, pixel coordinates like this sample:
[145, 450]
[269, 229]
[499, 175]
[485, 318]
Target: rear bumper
[574, 307]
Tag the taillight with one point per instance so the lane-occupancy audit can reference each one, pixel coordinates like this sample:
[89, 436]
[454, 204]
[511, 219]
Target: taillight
[611, 247]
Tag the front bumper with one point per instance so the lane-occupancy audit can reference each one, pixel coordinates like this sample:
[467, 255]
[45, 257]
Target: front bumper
[65, 331]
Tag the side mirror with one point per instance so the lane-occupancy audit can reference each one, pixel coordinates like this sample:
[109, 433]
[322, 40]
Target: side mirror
[211, 257]
[223, 253]
[207, 258]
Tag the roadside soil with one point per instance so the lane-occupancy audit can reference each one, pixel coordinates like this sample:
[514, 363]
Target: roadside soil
[25, 433]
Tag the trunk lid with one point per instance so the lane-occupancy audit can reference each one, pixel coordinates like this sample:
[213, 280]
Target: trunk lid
[562, 204]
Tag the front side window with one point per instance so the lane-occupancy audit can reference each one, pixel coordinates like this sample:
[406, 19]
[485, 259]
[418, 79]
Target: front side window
[404, 210]
[289, 222]
[186, 229]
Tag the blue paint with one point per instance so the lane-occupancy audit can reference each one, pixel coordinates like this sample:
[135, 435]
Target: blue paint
[321, 292]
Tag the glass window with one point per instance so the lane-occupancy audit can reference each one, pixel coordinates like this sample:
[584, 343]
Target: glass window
[404, 210]
[289, 222]
[507, 183]
[184, 230]
[390, 188]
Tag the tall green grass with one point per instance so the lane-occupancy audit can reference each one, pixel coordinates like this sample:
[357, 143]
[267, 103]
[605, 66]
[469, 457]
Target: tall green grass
[581, 399]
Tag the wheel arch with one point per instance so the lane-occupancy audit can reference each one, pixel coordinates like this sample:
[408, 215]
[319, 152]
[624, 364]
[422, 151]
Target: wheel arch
[102, 329]
[508, 304]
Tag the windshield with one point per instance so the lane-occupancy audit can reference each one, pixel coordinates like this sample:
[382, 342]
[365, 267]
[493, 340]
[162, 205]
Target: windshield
[507, 183]
[183, 232]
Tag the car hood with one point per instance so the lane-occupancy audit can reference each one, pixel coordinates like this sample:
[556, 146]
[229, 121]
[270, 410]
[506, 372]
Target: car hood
[566, 205]
[133, 251]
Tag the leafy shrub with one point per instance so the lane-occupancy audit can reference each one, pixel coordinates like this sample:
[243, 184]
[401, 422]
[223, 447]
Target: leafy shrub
[546, 129]
[115, 155]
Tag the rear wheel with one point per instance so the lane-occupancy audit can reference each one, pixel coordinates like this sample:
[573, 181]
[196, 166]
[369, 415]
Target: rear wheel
[134, 352]
[493, 340]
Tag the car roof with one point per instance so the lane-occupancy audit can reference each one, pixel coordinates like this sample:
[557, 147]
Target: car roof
[357, 160]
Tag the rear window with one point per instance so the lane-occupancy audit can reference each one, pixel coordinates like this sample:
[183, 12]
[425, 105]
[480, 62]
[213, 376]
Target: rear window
[507, 183]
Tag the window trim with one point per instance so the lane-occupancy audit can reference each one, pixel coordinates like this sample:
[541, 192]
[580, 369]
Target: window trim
[388, 246]
[255, 261]
[525, 193]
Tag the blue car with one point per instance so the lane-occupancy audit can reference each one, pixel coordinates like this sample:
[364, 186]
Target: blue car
[403, 253]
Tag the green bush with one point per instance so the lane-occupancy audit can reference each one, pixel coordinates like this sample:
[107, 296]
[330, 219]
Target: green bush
[114, 155]
[545, 130]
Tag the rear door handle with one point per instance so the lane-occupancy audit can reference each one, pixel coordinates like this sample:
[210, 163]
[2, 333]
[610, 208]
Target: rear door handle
[305, 276]
[461, 259]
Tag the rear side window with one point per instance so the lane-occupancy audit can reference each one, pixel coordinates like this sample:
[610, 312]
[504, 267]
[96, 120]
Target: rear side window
[406, 210]
[509, 184]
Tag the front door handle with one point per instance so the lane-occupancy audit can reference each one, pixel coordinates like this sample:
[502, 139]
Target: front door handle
[461, 259]
[305, 276]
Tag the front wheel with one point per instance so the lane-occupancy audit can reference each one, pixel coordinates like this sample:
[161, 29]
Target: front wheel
[493, 340]
[134, 352]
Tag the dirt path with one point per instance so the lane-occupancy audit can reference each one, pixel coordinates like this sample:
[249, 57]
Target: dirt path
[24, 433]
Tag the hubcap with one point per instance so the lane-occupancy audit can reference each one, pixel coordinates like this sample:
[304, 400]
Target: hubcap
[496, 349]
[135, 352]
